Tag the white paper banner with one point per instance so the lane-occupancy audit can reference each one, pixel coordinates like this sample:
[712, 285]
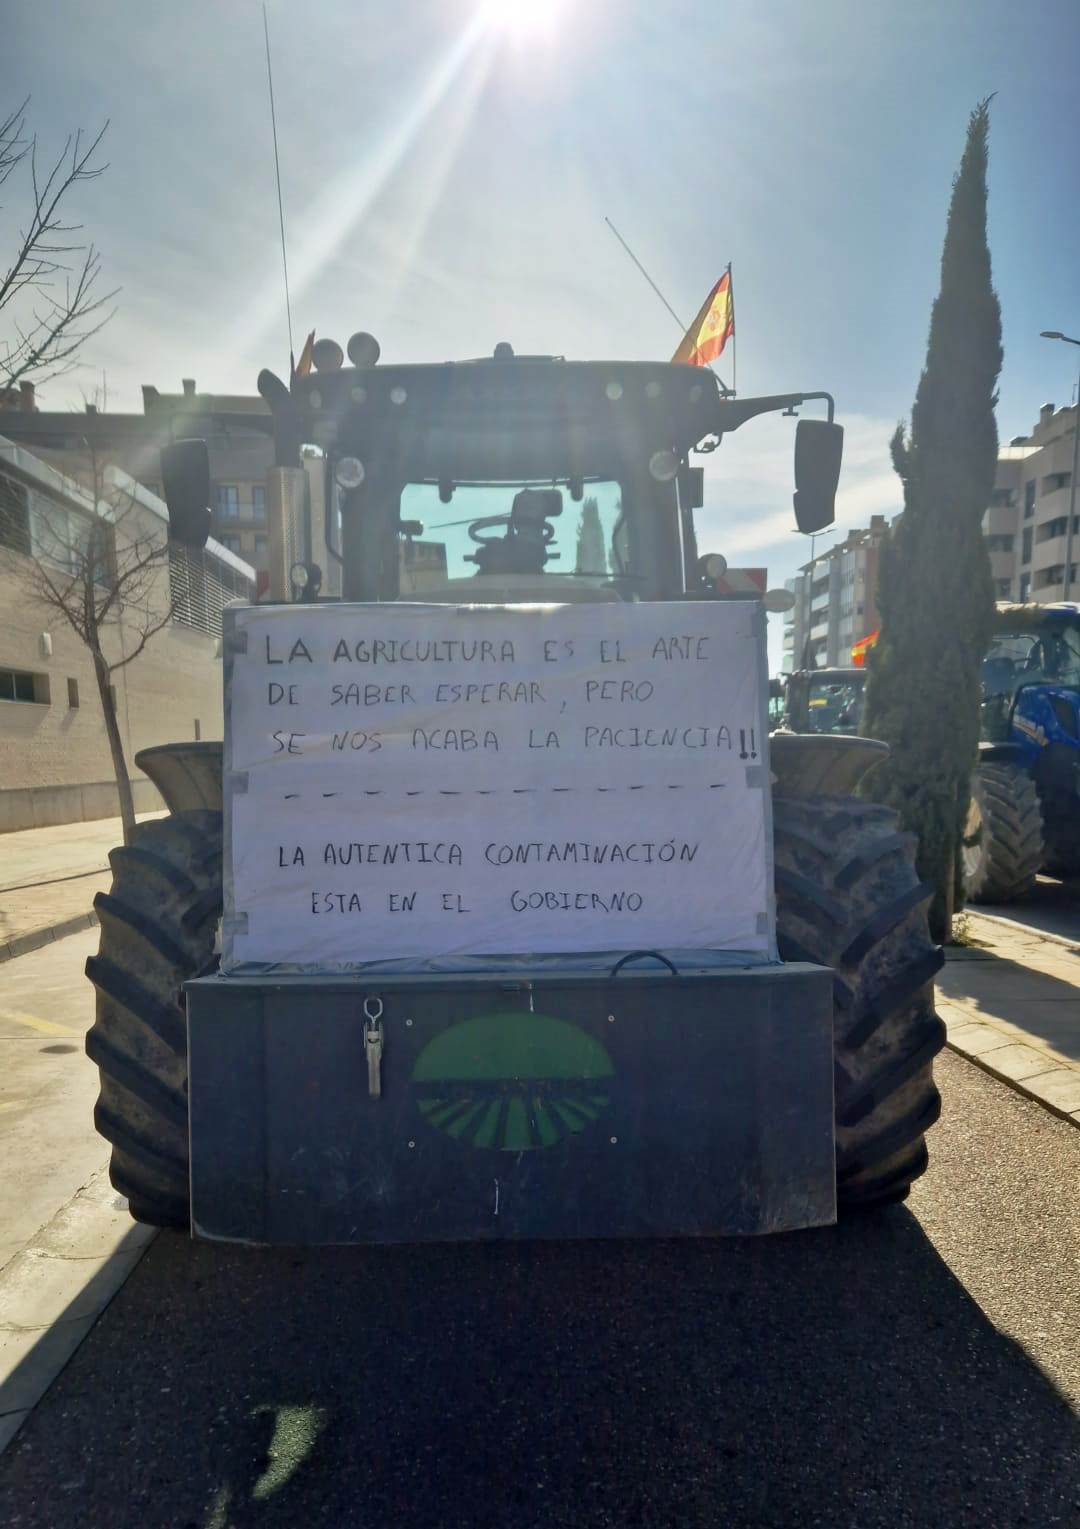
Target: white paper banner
[408, 781]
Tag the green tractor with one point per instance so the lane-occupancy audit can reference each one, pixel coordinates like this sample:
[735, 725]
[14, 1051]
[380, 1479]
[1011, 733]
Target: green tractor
[520, 1096]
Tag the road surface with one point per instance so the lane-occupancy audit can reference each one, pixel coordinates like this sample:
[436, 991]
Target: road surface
[917, 1367]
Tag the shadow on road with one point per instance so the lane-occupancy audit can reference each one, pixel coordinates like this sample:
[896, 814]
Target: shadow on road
[1037, 1002]
[1053, 907]
[836, 1378]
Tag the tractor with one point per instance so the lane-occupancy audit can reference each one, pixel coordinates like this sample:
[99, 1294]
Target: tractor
[643, 1092]
[1025, 794]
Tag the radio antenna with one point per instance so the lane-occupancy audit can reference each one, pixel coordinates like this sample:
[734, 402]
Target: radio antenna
[280, 203]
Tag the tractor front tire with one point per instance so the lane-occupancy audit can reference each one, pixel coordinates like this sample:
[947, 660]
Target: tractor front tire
[158, 925]
[1004, 833]
[848, 897]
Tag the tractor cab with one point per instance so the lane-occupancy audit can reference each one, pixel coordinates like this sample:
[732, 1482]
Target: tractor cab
[825, 701]
[1031, 676]
[504, 480]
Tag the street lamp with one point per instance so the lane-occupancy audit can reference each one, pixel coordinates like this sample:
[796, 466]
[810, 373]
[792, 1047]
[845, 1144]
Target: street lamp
[1056, 334]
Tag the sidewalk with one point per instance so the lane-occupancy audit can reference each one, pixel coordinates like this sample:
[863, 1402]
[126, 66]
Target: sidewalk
[1011, 1005]
[48, 879]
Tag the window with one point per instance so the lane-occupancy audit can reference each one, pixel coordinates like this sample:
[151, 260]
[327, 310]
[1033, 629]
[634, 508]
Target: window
[1002, 588]
[260, 546]
[42, 527]
[258, 501]
[1056, 527]
[1053, 481]
[1029, 499]
[1002, 499]
[1025, 554]
[20, 685]
[1025, 585]
[228, 501]
[1000, 543]
[232, 542]
[73, 694]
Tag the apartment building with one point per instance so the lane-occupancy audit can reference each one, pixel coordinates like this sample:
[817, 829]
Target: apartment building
[1027, 519]
[835, 601]
[235, 428]
[55, 765]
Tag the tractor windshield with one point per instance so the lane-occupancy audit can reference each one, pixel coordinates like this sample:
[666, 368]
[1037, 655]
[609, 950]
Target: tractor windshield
[540, 539]
[835, 705]
[1044, 654]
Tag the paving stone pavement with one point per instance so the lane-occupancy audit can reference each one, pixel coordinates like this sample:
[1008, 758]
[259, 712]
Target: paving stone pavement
[49, 878]
[1010, 1000]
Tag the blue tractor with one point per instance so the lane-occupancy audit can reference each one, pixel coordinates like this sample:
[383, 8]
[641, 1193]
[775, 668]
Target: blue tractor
[1025, 794]
[1025, 808]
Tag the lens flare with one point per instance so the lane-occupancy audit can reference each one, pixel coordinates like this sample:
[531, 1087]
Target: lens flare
[523, 18]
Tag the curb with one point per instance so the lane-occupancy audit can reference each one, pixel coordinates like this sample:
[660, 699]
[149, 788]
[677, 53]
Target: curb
[1025, 929]
[1044, 1082]
[52, 1293]
[23, 944]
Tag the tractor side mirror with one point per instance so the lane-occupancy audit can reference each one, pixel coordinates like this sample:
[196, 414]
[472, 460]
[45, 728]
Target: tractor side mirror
[819, 447]
[185, 482]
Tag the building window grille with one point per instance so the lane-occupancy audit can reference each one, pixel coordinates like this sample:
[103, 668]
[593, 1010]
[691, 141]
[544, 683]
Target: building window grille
[202, 586]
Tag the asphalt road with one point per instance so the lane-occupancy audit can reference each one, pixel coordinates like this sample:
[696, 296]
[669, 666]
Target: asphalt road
[914, 1367]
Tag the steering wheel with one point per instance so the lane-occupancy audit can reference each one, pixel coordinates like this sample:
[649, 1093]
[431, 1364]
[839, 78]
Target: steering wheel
[545, 530]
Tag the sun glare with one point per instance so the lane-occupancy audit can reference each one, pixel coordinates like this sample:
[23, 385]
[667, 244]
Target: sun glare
[523, 18]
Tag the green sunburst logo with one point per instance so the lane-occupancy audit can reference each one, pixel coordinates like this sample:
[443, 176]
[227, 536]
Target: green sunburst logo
[512, 1082]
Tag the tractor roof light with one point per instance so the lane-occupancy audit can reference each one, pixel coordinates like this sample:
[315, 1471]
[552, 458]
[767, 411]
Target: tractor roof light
[349, 472]
[327, 356]
[663, 465]
[363, 349]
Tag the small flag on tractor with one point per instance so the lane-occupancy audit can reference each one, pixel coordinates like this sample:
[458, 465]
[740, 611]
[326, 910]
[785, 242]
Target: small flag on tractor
[303, 366]
[860, 649]
[712, 328]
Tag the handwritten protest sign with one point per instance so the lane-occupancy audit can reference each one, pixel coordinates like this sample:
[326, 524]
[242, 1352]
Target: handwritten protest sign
[422, 782]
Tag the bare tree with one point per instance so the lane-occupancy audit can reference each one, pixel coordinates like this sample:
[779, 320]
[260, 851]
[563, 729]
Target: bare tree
[50, 302]
[105, 573]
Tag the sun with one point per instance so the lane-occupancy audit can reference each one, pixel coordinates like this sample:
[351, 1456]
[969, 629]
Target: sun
[523, 18]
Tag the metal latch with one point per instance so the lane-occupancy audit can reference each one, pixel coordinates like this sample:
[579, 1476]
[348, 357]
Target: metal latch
[373, 1044]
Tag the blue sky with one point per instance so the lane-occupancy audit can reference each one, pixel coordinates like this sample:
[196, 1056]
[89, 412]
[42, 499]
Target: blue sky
[446, 182]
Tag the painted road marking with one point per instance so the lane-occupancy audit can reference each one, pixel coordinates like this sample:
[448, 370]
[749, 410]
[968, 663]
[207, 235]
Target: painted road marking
[31, 1021]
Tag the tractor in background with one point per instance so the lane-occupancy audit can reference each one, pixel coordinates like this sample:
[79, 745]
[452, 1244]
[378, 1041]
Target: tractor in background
[1025, 795]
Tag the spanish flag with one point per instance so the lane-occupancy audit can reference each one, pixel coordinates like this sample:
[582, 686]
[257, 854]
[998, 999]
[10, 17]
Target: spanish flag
[713, 327]
[861, 649]
[303, 366]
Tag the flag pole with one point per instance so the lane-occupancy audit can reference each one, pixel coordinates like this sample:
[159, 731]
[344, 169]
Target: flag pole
[734, 333]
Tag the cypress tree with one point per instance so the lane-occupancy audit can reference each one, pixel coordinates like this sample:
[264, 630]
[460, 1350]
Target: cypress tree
[591, 555]
[935, 593]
